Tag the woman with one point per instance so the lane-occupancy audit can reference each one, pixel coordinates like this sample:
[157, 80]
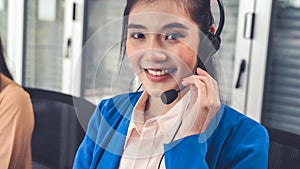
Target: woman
[196, 130]
[16, 121]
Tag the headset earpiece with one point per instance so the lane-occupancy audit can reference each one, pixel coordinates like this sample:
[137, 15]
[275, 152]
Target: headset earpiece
[209, 45]
[214, 40]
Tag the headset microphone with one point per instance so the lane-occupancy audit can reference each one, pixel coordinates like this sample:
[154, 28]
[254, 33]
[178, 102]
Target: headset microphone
[169, 96]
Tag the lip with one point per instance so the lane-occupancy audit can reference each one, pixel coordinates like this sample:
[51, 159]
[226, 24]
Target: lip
[156, 78]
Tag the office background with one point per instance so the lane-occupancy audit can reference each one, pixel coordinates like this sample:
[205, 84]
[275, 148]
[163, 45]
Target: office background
[45, 43]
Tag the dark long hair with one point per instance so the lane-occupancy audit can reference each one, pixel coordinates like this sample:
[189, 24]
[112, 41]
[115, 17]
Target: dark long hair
[199, 10]
[3, 67]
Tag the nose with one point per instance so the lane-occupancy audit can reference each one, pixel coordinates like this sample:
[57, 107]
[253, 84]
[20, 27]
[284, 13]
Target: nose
[156, 51]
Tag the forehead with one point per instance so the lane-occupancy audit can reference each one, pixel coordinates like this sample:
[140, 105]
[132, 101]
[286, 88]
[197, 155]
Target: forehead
[166, 6]
[159, 12]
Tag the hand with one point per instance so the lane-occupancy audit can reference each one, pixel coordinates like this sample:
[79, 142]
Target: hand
[204, 103]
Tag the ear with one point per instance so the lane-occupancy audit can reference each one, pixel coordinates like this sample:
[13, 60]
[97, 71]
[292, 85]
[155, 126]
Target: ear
[212, 29]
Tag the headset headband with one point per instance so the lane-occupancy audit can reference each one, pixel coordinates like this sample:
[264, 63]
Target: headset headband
[222, 18]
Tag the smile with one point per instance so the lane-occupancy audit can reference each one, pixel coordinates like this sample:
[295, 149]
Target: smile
[158, 72]
[159, 75]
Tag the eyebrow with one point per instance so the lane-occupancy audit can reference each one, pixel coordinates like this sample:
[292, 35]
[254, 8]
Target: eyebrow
[165, 27]
[136, 26]
[174, 25]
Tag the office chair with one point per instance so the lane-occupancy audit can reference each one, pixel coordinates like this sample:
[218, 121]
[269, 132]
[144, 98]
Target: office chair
[57, 131]
[284, 152]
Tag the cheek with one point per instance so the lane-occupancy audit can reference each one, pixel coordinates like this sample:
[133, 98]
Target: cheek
[188, 51]
[133, 56]
[188, 56]
[130, 49]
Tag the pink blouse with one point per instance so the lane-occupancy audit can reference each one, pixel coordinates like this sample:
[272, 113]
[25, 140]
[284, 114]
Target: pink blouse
[144, 143]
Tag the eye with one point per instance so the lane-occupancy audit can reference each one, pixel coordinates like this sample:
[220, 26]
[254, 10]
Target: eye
[138, 35]
[173, 36]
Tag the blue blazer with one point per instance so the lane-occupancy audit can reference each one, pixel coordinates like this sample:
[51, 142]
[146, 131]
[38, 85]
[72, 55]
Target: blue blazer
[231, 140]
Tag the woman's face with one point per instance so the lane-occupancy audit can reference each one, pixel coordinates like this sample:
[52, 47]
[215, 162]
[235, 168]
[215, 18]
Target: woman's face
[162, 44]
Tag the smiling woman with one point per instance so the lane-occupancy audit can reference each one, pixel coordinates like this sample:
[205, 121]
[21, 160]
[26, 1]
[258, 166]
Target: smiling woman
[164, 39]
[161, 54]
[150, 46]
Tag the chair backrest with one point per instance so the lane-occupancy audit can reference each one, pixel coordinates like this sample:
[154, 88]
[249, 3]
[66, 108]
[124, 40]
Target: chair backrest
[57, 131]
[284, 150]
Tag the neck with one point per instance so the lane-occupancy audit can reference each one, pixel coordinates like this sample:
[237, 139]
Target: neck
[155, 107]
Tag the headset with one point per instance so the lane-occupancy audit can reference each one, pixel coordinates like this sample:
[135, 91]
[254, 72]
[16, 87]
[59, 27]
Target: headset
[210, 48]
[215, 38]
[212, 41]
[206, 49]
[211, 44]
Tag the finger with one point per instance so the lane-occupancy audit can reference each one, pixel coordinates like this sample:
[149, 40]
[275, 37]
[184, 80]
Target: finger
[201, 72]
[194, 88]
[198, 82]
[207, 101]
[216, 95]
[212, 83]
[200, 89]
[207, 91]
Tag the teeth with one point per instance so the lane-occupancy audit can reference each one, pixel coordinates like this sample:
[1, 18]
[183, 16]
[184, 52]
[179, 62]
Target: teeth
[158, 72]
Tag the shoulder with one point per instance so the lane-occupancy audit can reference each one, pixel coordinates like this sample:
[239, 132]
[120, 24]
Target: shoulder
[245, 141]
[122, 100]
[238, 119]
[112, 113]
[15, 95]
[117, 107]
[15, 101]
[241, 126]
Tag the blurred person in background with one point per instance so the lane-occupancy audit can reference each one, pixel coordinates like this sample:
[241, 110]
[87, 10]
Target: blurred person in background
[16, 121]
